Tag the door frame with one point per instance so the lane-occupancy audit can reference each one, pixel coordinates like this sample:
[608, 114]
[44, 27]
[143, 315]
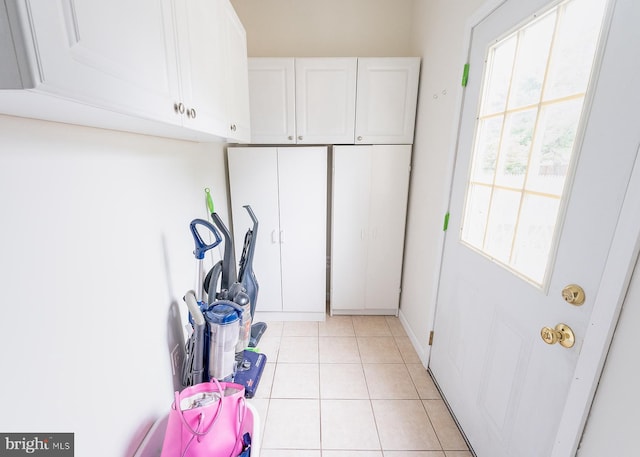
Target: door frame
[614, 285]
[623, 254]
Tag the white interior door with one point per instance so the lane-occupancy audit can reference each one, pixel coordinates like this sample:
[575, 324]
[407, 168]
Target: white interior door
[253, 180]
[303, 228]
[506, 260]
[390, 165]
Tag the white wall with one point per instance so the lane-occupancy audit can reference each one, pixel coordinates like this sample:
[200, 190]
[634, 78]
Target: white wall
[95, 248]
[327, 28]
[439, 32]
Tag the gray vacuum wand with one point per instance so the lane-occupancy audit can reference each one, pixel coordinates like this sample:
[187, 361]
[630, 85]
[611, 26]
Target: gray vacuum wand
[193, 370]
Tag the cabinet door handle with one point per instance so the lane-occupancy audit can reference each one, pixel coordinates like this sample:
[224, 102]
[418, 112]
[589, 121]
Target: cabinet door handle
[273, 237]
[359, 138]
[178, 107]
[233, 127]
[290, 137]
[191, 113]
[300, 137]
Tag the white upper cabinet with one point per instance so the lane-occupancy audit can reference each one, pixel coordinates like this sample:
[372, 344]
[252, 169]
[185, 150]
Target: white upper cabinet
[387, 97]
[213, 64]
[325, 100]
[272, 100]
[213, 57]
[302, 101]
[149, 66]
[71, 49]
[236, 76]
[322, 100]
[201, 44]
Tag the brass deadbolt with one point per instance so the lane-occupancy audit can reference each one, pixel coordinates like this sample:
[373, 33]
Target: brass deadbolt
[573, 294]
[562, 334]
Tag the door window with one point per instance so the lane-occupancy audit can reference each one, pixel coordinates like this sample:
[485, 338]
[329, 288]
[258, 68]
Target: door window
[532, 102]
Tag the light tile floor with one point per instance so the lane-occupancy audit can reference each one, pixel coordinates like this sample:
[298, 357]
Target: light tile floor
[352, 386]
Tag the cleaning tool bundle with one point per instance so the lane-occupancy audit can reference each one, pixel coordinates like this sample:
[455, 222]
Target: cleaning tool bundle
[221, 310]
[224, 272]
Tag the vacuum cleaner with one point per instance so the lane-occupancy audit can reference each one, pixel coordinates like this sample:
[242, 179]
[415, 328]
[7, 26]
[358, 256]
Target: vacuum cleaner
[196, 366]
[247, 277]
[238, 294]
[224, 272]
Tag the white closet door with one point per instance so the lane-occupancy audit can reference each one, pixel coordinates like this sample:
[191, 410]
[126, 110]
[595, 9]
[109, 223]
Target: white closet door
[253, 180]
[349, 231]
[387, 97]
[325, 100]
[272, 98]
[303, 227]
[390, 165]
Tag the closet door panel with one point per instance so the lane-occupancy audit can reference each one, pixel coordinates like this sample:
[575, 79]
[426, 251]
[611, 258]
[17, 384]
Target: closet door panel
[390, 182]
[253, 178]
[303, 227]
[349, 231]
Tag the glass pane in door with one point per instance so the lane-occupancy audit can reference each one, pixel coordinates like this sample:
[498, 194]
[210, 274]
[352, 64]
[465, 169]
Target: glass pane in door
[535, 84]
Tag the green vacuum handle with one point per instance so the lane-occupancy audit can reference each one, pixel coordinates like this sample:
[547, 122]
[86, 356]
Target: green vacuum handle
[209, 201]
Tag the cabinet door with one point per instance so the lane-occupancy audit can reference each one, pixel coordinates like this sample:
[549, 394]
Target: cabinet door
[349, 226]
[272, 100]
[325, 100]
[303, 228]
[253, 180]
[237, 79]
[79, 55]
[390, 165]
[202, 55]
[386, 101]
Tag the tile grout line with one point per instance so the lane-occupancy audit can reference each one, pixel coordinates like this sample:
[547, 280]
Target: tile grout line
[360, 364]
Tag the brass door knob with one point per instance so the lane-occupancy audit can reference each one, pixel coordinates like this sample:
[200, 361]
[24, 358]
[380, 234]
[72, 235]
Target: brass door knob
[573, 294]
[562, 334]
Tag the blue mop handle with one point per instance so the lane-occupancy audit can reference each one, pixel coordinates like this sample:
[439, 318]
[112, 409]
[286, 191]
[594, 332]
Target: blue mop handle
[201, 246]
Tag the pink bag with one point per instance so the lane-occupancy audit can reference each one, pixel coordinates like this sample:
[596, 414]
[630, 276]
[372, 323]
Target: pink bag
[206, 421]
